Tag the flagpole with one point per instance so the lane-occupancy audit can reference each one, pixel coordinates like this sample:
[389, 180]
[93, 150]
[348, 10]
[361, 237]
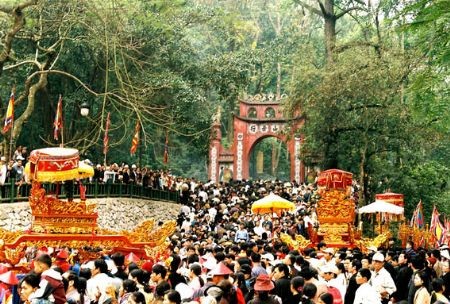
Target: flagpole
[11, 141]
[62, 123]
[11, 138]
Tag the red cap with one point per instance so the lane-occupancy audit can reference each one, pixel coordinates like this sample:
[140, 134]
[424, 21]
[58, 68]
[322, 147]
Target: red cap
[9, 277]
[62, 254]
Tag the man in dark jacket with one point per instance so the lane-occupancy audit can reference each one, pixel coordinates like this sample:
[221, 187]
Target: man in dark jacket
[280, 275]
[50, 278]
[352, 285]
[404, 274]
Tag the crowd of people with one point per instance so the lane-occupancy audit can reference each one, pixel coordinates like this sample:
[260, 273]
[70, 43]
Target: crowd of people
[222, 253]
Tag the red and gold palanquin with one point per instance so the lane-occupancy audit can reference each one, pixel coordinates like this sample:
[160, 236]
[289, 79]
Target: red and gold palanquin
[393, 198]
[59, 223]
[335, 179]
[56, 165]
[335, 209]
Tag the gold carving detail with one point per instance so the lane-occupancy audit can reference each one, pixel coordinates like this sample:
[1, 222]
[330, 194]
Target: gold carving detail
[299, 243]
[42, 204]
[334, 206]
[380, 240]
[13, 255]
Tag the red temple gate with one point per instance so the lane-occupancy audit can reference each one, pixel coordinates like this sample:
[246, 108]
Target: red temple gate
[259, 116]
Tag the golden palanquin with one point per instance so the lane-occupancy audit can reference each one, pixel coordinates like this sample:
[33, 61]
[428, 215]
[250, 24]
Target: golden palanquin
[393, 198]
[335, 209]
[58, 223]
[335, 179]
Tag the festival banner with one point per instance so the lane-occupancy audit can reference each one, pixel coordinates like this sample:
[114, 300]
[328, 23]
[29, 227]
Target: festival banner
[106, 135]
[135, 141]
[417, 218]
[9, 118]
[58, 122]
[437, 228]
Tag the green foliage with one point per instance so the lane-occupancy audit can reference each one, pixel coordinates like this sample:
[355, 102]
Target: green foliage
[380, 110]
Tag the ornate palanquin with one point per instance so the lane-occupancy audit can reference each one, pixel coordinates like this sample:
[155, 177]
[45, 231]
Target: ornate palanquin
[335, 209]
[52, 215]
[73, 224]
[393, 198]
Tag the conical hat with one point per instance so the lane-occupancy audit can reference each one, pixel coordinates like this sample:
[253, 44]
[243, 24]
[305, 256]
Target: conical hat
[9, 277]
[3, 268]
[220, 269]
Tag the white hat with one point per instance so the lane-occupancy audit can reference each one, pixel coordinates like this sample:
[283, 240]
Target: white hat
[372, 248]
[329, 268]
[3, 158]
[133, 166]
[445, 254]
[268, 256]
[378, 257]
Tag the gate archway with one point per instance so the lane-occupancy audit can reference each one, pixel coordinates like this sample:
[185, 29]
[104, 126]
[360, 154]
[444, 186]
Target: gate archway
[269, 160]
[259, 116]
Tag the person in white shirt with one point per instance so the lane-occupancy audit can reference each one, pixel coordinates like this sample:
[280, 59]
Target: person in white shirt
[241, 235]
[99, 282]
[381, 279]
[203, 195]
[365, 294]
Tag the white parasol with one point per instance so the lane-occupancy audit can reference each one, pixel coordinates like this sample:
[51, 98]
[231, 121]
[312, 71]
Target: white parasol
[382, 207]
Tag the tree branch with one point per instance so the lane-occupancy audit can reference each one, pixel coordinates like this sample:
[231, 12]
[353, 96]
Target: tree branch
[341, 14]
[310, 8]
[19, 21]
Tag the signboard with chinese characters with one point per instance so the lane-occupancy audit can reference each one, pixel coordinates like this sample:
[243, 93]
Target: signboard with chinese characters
[263, 128]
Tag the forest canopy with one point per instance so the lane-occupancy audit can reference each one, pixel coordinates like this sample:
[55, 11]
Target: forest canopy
[370, 77]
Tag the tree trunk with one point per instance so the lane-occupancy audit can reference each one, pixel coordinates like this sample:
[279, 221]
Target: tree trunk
[330, 37]
[329, 28]
[362, 173]
[18, 124]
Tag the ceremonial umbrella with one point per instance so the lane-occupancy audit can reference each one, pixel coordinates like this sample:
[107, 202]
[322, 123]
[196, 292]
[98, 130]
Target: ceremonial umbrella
[380, 206]
[56, 164]
[272, 203]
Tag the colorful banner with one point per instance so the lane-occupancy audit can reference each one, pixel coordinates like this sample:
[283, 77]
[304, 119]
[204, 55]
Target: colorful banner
[106, 136]
[135, 141]
[58, 123]
[9, 118]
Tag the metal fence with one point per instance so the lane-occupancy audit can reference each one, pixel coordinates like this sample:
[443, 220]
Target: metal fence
[13, 192]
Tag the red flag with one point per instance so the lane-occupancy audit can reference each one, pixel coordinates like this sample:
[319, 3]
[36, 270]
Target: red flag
[135, 141]
[106, 136]
[9, 118]
[58, 123]
[166, 149]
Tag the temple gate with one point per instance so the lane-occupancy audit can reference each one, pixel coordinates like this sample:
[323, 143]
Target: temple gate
[259, 116]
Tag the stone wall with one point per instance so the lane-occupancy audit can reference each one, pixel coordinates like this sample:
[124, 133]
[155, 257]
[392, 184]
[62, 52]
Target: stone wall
[114, 213]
